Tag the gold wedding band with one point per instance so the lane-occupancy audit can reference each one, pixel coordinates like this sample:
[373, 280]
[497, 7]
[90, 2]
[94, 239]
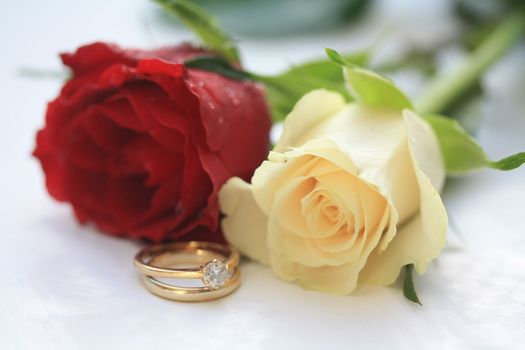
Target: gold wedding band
[215, 265]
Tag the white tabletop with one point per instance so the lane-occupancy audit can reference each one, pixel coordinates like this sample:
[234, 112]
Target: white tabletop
[69, 287]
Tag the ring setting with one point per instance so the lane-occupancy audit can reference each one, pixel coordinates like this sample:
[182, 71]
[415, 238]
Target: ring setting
[215, 274]
[214, 265]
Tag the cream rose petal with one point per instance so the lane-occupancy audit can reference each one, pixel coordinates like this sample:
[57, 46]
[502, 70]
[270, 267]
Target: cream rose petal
[372, 207]
[424, 149]
[310, 110]
[421, 239]
[376, 142]
[344, 188]
[340, 279]
[366, 136]
[282, 167]
[287, 205]
[244, 225]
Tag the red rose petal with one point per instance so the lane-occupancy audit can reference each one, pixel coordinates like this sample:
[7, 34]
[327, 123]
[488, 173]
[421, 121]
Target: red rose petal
[158, 67]
[80, 149]
[128, 199]
[231, 106]
[86, 189]
[146, 101]
[104, 132]
[160, 163]
[53, 164]
[94, 56]
[119, 110]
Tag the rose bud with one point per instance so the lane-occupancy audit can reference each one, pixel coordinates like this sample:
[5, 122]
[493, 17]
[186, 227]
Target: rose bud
[140, 145]
[348, 196]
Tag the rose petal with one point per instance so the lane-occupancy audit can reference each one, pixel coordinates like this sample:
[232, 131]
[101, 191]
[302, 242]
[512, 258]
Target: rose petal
[340, 279]
[104, 132]
[223, 105]
[287, 205]
[376, 142]
[93, 56]
[118, 109]
[244, 225]
[424, 149]
[422, 238]
[309, 111]
[346, 187]
[80, 149]
[86, 189]
[270, 175]
[150, 102]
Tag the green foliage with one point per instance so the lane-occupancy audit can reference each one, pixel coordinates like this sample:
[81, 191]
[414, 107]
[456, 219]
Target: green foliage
[461, 151]
[335, 57]
[204, 25]
[408, 286]
[375, 90]
[285, 89]
[370, 88]
[511, 162]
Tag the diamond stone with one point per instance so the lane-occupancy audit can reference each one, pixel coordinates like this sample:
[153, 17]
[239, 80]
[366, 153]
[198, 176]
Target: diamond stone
[215, 274]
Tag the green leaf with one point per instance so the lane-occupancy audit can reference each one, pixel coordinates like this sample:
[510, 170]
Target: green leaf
[370, 88]
[408, 286]
[284, 90]
[509, 163]
[327, 69]
[335, 57]
[218, 65]
[375, 90]
[204, 25]
[461, 151]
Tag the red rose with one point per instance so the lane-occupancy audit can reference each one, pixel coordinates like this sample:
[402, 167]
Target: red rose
[140, 145]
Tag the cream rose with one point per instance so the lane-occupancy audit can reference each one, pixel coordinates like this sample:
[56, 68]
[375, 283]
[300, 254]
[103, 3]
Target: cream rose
[348, 196]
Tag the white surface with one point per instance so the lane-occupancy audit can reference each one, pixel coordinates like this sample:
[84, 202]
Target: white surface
[68, 287]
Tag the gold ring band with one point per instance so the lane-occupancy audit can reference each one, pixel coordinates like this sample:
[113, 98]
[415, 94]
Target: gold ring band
[171, 292]
[216, 265]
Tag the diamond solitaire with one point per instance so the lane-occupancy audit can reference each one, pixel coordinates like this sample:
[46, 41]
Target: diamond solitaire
[215, 274]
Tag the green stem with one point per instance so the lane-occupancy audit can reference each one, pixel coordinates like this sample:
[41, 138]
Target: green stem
[445, 89]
